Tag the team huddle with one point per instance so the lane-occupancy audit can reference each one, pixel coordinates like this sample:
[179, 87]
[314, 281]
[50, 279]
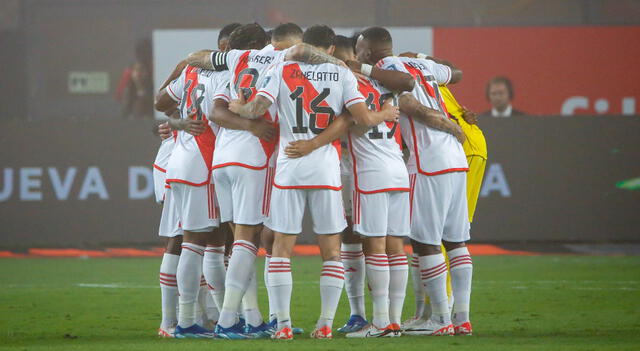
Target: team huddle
[268, 127]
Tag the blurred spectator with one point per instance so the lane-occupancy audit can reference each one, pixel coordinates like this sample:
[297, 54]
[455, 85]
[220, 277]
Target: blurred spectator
[499, 92]
[135, 90]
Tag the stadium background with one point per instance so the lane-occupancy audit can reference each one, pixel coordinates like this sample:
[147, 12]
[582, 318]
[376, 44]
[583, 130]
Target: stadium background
[74, 173]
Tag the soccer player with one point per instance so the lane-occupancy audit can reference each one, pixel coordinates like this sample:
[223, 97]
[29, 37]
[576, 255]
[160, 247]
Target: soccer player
[191, 196]
[437, 168]
[351, 247]
[169, 265]
[308, 98]
[380, 181]
[173, 241]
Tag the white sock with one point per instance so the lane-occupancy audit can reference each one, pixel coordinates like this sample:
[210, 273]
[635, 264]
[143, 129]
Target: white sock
[238, 275]
[250, 307]
[377, 266]
[331, 283]
[281, 283]
[461, 273]
[354, 269]
[169, 289]
[201, 307]
[398, 275]
[188, 276]
[418, 288]
[272, 312]
[433, 270]
[215, 272]
[213, 313]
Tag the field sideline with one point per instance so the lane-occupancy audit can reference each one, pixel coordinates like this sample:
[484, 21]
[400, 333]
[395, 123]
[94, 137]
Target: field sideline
[522, 302]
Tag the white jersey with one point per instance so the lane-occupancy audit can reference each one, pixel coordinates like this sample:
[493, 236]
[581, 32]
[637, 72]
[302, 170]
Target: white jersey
[308, 98]
[240, 147]
[377, 154]
[192, 156]
[432, 151]
[164, 153]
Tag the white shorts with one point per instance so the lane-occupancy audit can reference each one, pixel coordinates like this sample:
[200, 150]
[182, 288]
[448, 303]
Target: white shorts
[193, 207]
[170, 221]
[158, 184]
[288, 205]
[347, 195]
[439, 208]
[381, 214]
[243, 193]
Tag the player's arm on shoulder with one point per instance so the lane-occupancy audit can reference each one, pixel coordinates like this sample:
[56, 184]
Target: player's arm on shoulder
[368, 118]
[208, 59]
[222, 116]
[456, 73]
[308, 54]
[254, 109]
[334, 131]
[163, 101]
[410, 106]
[392, 80]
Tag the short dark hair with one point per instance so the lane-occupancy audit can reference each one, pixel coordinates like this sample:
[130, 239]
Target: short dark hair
[249, 36]
[286, 30]
[226, 31]
[342, 42]
[377, 35]
[500, 80]
[319, 35]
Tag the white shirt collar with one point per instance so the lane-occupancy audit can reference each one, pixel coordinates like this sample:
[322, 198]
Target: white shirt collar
[505, 113]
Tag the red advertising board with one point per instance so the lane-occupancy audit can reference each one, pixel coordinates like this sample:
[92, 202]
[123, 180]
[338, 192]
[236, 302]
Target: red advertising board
[554, 70]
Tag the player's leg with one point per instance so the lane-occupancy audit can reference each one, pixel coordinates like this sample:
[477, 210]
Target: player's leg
[456, 233]
[431, 202]
[371, 222]
[399, 227]
[247, 187]
[427, 303]
[354, 267]
[213, 264]
[398, 277]
[169, 285]
[474, 182]
[196, 206]
[281, 281]
[171, 231]
[285, 219]
[327, 214]
[354, 274]
[267, 238]
[418, 289]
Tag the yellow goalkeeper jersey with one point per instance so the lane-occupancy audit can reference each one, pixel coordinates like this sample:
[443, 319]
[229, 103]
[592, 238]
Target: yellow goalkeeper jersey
[475, 145]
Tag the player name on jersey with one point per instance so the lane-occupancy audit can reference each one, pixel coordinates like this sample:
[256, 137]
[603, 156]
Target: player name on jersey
[315, 76]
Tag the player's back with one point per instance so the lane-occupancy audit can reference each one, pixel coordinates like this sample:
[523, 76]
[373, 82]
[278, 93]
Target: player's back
[309, 97]
[192, 156]
[432, 151]
[377, 154]
[246, 69]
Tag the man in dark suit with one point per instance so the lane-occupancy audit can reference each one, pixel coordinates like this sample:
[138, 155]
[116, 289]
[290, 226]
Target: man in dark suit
[499, 92]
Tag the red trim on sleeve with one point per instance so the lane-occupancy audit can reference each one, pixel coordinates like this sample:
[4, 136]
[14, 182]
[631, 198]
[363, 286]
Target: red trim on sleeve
[217, 96]
[159, 168]
[172, 94]
[266, 93]
[355, 98]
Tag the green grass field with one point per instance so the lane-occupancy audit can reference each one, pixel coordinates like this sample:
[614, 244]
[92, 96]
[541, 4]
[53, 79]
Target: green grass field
[518, 302]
